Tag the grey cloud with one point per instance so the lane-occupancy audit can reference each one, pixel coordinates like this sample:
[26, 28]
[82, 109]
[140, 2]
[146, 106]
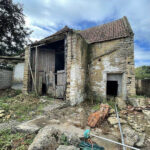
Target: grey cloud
[54, 14]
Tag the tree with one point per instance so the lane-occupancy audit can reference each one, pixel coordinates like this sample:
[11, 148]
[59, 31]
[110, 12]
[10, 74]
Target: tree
[142, 72]
[13, 34]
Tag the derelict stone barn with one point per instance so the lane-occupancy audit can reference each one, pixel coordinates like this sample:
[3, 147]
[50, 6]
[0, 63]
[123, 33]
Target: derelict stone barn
[70, 64]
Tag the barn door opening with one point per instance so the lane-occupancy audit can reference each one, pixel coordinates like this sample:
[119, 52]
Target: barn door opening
[112, 88]
[59, 63]
[60, 79]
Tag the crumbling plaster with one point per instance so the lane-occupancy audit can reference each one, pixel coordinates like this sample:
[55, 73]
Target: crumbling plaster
[117, 57]
[87, 66]
[76, 68]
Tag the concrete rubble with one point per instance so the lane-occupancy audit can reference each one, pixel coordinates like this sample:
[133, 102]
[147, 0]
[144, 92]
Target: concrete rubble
[64, 147]
[114, 121]
[63, 124]
[132, 137]
[50, 137]
[2, 113]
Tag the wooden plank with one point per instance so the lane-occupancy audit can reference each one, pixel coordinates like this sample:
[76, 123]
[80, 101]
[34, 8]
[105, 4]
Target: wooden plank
[40, 85]
[32, 73]
[51, 83]
[36, 62]
[60, 91]
[46, 61]
[61, 77]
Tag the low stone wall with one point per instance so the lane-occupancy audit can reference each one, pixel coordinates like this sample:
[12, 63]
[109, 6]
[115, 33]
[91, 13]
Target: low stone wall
[143, 87]
[5, 78]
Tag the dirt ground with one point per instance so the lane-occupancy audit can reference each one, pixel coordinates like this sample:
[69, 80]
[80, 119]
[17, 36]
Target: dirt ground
[21, 108]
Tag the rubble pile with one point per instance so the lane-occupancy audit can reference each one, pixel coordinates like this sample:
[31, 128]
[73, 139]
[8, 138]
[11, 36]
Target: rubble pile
[62, 126]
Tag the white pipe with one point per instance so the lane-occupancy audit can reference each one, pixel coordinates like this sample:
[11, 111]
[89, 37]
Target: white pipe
[122, 139]
[114, 142]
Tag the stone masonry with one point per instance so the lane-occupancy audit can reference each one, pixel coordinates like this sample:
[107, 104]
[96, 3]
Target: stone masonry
[112, 57]
[92, 57]
[76, 68]
[26, 71]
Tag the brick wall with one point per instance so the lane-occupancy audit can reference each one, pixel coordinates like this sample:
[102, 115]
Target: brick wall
[5, 78]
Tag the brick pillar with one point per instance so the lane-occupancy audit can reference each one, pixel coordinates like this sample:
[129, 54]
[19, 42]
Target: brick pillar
[68, 63]
[26, 71]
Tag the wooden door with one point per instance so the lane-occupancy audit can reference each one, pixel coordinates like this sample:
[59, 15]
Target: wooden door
[61, 81]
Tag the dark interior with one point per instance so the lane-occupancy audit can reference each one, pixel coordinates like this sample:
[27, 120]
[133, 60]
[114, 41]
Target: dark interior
[44, 89]
[59, 64]
[112, 88]
[59, 61]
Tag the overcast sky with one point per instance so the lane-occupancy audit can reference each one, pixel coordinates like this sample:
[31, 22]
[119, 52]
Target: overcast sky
[45, 17]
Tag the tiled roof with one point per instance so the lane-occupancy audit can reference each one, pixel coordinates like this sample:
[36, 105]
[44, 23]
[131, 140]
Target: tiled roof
[113, 30]
[63, 30]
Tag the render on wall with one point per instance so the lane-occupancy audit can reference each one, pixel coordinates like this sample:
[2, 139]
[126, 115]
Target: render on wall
[112, 57]
[18, 73]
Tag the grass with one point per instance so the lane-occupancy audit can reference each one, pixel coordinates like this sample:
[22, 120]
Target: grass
[64, 140]
[18, 141]
[96, 107]
[22, 107]
[99, 100]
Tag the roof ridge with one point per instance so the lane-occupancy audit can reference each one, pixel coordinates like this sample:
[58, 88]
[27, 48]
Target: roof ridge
[127, 25]
[101, 24]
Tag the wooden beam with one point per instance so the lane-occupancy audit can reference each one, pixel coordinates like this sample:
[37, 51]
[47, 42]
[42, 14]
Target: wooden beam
[31, 72]
[36, 64]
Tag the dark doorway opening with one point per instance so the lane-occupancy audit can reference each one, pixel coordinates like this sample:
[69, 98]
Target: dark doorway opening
[59, 62]
[44, 89]
[112, 88]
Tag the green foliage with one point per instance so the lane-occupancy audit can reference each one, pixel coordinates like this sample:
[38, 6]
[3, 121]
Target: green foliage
[22, 107]
[13, 34]
[18, 141]
[142, 72]
[6, 66]
[64, 140]
[96, 107]
[110, 101]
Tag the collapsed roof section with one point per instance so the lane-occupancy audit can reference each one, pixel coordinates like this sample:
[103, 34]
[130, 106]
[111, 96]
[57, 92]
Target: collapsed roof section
[109, 31]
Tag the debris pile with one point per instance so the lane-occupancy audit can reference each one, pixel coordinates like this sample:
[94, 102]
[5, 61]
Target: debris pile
[99, 116]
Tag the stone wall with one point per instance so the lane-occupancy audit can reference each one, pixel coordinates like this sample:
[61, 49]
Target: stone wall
[26, 71]
[112, 57]
[143, 87]
[76, 68]
[88, 66]
[5, 78]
